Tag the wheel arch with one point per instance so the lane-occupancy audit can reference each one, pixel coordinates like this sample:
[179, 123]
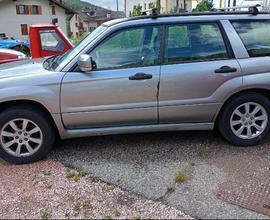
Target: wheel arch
[261, 91]
[33, 104]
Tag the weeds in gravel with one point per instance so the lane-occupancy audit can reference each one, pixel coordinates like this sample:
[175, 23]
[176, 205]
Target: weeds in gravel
[75, 175]
[47, 173]
[77, 207]
[45, 214]
[138, 217]
[49, 185]
[117, 212]
[95, 179]
[192, 164]
[170, 190]
[180, 177]
[203, 153]
[108, 217]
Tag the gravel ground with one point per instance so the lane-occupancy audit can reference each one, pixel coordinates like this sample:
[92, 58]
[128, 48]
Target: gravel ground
[48, 190]
[147, 164]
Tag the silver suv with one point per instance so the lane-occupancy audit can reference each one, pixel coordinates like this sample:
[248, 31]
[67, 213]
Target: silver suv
[144, 74]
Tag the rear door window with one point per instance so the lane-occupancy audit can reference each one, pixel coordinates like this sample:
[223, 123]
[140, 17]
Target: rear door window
[194, 43]
[254, 35]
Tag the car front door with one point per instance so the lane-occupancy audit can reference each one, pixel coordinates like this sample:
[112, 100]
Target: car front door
[122, 89]
[197, 63]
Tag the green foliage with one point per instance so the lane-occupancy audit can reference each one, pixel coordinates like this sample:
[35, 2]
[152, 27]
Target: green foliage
[78, 4]
[203, 153]
[158, 6]
[77, 40]
[180, 177]
[174, 10]
[137, 11]
[204, 5]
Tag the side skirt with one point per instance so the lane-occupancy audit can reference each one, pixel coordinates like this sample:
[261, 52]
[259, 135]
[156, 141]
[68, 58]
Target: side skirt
[76, 133]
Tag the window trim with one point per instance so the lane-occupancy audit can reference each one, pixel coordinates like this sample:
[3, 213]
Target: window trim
[160, 25]
[248, 20]
[227, 44]
[26, 9]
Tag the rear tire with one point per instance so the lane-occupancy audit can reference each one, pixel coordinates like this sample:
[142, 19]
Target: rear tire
[244, 121]
[26, 135]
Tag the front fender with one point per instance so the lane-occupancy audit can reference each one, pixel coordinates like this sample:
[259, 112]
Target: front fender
[48, 97]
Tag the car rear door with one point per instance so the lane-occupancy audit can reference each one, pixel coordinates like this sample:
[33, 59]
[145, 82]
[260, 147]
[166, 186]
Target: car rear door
[122, 89]
[198, 65]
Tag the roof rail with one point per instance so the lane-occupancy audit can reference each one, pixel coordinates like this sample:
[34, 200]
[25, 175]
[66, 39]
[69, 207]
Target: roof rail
[251, 9]
[153, 13]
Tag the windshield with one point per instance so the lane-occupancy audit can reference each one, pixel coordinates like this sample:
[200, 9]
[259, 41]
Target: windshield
[92, 36]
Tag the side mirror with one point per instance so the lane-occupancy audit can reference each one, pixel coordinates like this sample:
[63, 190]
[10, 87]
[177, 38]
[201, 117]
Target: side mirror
[85, 63]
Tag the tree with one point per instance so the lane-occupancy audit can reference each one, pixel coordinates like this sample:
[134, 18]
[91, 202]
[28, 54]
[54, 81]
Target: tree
[204, 5]
[174, 10]
[137, 11]
[158, 6]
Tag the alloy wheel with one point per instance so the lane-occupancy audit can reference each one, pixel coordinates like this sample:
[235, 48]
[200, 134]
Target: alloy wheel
[249, 120]
[21, 137]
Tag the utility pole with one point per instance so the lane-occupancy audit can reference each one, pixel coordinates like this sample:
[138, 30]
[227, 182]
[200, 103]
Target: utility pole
[117, 5]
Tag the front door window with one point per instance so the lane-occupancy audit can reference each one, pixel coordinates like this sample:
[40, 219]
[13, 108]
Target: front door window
[135, 47]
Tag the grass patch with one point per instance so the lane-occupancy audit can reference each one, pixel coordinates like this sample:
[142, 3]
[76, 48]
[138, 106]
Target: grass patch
[45, 214]
[75, 175]
[117, 213]
[138, 217]
[203, 153]
[108, 217]
[77, 207]
[180, 177]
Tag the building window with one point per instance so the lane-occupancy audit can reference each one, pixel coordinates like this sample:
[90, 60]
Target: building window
[22, 9]
[24, 29]
[35, 9]
[53, 10]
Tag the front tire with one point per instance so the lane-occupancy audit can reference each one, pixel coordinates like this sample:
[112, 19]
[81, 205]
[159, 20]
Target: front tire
[244, 121]
[26, 135]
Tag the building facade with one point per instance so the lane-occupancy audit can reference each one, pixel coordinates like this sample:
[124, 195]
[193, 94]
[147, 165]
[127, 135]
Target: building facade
[167, 6]
[17, 16]
[87, 20]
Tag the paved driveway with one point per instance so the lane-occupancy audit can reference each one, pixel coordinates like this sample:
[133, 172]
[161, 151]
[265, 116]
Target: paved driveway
[148, 164]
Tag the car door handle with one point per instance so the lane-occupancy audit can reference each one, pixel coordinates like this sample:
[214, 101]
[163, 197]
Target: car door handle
[141, 76]
[226, 69]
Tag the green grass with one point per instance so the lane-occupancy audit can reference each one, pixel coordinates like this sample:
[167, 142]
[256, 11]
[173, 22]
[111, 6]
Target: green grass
[77, 207]
[45, 214]
[75, 175]
[138, 217]
[180, 177]
[203, 153]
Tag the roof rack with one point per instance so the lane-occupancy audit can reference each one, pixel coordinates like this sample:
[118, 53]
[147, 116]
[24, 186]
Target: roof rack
[251, 9]
[153, 13]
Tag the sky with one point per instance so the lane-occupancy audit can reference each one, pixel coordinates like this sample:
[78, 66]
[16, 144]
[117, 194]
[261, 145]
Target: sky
[110, 4]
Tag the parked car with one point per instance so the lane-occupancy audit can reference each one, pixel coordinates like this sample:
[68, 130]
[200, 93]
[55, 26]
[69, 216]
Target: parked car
[7, 56]
[14, 44]
[144, 74]
[45, 40]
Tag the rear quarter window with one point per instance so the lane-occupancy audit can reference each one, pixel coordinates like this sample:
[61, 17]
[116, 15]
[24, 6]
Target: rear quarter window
[254, 35]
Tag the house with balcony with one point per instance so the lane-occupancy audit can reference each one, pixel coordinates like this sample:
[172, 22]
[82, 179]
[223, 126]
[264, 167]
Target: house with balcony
[88, 19]
[16, 16]
[167, 6]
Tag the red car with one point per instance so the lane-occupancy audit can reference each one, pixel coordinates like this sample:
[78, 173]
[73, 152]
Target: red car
[7, 56]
